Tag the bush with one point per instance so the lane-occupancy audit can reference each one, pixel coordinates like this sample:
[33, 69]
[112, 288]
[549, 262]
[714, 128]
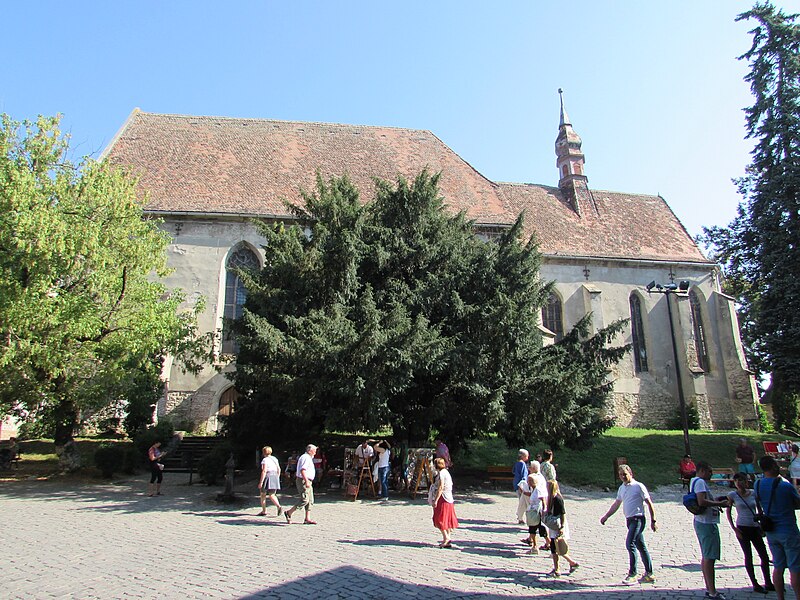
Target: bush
[784, 409]
[109, 458]
[692, 417]
[212, 466]
[161, 432]
[131, 460]
[763, 421]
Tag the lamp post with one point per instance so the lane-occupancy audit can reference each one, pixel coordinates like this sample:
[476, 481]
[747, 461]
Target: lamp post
[668, 290]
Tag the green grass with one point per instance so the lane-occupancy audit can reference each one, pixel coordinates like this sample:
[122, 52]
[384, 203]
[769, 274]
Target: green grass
[39, 459]
[653, 454]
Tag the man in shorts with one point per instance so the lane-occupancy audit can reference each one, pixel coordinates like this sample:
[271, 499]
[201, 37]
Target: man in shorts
[779, 499]
[745, 456]
[706, 527]
[305, 485]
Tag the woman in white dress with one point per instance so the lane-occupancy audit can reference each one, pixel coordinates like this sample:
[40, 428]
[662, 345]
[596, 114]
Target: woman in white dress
[270, 481]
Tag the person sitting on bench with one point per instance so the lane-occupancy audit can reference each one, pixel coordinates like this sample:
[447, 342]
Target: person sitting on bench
[686, 467]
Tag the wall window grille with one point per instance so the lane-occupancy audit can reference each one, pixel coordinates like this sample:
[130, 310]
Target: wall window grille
[235, 293]
[637, 332]
[699, 332]
[552, 315]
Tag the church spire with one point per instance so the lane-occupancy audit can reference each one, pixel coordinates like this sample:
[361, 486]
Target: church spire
[564, 115]
[570, 163]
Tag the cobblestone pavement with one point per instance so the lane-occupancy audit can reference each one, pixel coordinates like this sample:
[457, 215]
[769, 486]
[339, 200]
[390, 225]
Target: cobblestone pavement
[112, 541]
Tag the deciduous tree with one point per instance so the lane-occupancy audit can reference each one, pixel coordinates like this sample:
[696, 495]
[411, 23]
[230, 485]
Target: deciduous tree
[81, 304]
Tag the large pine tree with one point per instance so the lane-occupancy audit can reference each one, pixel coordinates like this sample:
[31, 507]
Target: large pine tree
[395, 314]
[761, 248]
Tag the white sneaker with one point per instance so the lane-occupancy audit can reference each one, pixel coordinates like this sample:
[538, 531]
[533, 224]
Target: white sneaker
[629, 580]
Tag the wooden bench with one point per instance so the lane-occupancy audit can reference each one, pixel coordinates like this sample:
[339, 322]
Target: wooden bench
[499, 473]
[721, 476]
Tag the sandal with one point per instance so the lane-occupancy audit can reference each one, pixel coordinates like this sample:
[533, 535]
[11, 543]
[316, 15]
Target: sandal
[307, 522]
[261, 514]
[573, 568]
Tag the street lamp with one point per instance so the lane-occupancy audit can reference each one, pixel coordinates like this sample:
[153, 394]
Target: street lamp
[667, 290]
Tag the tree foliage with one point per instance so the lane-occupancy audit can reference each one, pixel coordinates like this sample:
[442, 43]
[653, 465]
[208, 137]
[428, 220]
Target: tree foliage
[82, 310]
[395, 313]
[760, 250]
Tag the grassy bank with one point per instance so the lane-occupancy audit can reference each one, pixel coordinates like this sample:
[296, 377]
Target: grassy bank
[653, 454]
[39, 460]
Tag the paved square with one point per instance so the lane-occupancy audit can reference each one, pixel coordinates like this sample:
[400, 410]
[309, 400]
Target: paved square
[112, 541]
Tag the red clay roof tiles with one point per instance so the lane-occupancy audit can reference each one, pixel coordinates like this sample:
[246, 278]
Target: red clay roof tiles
[251, 166]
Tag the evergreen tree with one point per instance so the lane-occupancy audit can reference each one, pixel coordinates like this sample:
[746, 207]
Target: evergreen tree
[761, 249]
[395, 313]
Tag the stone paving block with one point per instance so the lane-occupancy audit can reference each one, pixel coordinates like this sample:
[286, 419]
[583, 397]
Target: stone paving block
[111, 541]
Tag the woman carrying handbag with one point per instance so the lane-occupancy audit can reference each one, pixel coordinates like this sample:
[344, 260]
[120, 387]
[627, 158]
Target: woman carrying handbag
[556, 523]
[748, 532]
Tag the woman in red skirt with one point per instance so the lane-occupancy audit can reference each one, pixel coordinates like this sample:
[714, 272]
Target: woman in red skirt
[444, 513]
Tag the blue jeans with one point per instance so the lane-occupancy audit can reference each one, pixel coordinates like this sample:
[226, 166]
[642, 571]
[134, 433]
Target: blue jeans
[634, 541]
[383, 475]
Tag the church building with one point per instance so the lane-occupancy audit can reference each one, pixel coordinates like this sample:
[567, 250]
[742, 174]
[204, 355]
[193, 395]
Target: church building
[208, 178]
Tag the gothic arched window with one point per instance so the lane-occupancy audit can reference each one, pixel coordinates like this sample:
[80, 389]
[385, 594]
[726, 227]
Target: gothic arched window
[235, 293]
[552, 315]
[637, 333]
[699, 332]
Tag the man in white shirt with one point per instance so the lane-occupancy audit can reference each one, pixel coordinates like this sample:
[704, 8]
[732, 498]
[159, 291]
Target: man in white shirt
[706, 527]
[305, 485]
[633, 495]
[364, 454]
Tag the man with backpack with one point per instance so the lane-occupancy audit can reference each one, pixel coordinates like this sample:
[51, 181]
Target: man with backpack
[777, 500]
[706, 527]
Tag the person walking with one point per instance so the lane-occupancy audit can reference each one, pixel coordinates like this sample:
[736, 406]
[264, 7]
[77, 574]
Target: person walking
[779, 500]
[441, 498]
[748, 531]
[548, 468]
[270, 481]
[536, 491]
[520, 473]
[305, 485]
[706, 527]
[558, 529]
[154, 455]
[632, 496]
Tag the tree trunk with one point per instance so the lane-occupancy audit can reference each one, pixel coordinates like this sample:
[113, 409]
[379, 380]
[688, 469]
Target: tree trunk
[66, 420]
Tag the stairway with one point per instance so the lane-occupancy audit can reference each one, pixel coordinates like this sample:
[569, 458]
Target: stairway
[185, 456]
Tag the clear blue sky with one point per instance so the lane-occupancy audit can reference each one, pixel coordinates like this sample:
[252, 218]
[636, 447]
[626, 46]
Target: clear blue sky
[653, 88]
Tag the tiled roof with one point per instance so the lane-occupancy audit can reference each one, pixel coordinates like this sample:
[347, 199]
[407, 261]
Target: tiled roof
[250, 166]
[633, 226]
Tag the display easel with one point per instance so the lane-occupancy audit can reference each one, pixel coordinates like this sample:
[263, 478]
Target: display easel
[365, 472]
[423, 468]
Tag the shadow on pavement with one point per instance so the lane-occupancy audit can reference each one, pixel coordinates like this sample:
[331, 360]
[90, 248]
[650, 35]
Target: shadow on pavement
[354, 582]
[695, 567]
[387, 542]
